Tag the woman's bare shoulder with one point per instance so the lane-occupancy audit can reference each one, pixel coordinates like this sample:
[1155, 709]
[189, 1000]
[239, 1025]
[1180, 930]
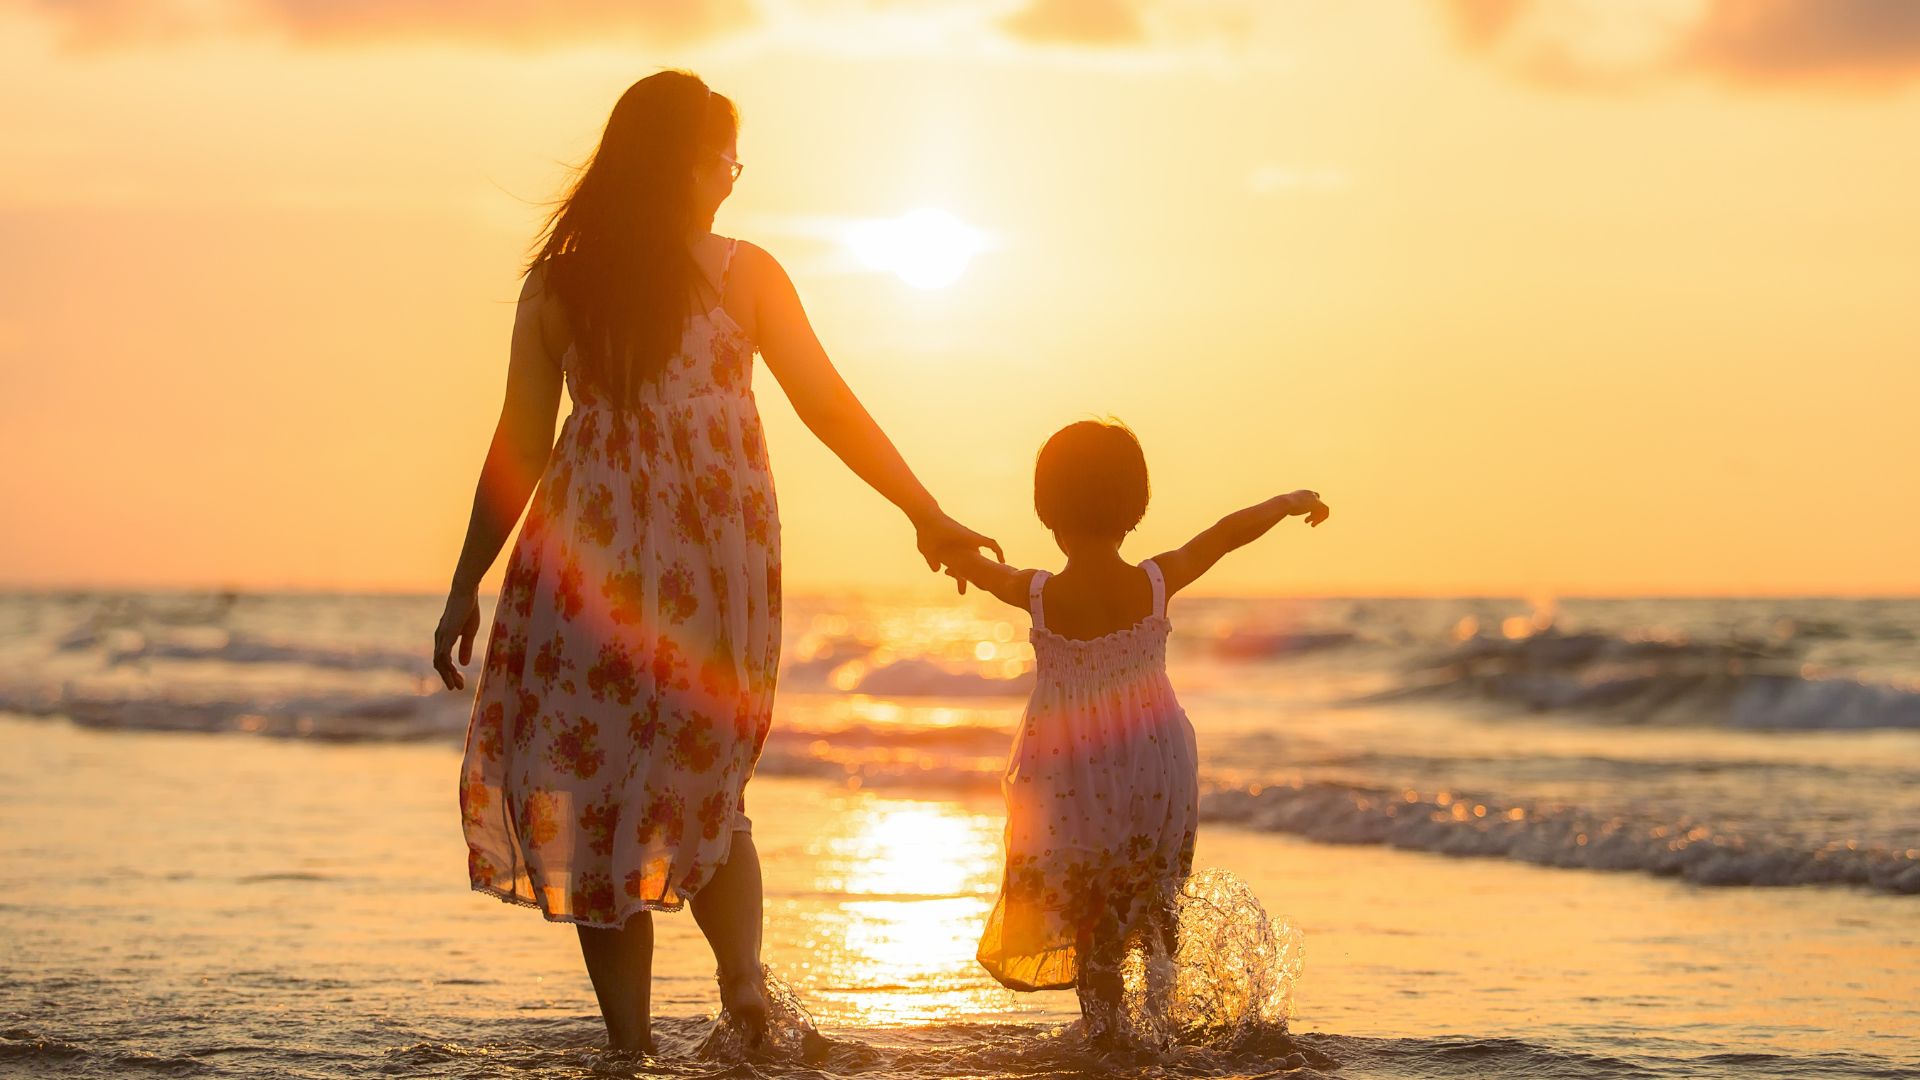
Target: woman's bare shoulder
[536, 285]
[539, 300]
[756, 265]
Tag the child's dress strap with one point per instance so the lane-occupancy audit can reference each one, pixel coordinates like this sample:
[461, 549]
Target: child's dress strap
[1159, 586]
[1033, 599]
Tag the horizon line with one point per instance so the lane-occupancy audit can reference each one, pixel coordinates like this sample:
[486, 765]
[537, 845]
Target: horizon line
[832, 589]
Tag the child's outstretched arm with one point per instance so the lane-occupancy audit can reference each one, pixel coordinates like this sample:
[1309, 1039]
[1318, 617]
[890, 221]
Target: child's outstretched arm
[1183, 565]
[1003, 581]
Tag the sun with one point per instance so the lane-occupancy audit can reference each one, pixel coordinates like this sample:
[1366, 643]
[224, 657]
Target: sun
[927, 249]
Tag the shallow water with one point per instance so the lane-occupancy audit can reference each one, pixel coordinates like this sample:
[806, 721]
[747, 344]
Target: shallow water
[233, 846]
[224, 905]
[1728, 742]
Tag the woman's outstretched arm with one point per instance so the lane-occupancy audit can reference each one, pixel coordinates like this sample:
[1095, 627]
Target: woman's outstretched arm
[522, 441]
[831, 411]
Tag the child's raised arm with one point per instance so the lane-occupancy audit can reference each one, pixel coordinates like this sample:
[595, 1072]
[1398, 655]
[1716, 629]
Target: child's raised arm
[1182, 566]
[1003, 581]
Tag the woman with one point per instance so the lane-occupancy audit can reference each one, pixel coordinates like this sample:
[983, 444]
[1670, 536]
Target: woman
[629, 675]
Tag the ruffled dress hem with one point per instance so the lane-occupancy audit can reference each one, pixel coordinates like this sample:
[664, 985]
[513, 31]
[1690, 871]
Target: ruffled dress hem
[510, 896]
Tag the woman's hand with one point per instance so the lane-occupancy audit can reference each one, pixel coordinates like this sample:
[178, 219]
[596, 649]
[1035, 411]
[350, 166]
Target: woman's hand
[459, 623]
[939, 538]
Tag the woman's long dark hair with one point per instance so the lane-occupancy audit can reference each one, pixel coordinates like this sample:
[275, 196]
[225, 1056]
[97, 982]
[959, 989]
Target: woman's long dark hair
[615, 248]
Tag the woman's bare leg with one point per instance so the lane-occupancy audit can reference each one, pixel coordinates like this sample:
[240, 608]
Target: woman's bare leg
[620, 963]
[729, 912]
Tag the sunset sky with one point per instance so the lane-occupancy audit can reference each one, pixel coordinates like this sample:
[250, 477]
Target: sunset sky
[1554, 297]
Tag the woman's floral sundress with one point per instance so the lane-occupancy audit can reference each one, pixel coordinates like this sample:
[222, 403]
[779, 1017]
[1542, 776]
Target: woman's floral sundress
[629, 674]
[1102, 792]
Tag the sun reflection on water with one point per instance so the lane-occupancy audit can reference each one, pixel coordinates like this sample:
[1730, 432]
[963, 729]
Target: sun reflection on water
[900, 894]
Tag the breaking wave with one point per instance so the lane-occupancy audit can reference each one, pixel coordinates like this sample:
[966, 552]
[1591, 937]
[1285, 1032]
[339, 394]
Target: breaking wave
[1742, 685]
[1561, 836]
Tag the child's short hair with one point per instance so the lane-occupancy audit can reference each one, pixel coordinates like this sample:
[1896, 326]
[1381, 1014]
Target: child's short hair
[1091, 478]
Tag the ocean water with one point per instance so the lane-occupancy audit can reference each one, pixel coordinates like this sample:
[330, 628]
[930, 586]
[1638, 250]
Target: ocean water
[1600, 838]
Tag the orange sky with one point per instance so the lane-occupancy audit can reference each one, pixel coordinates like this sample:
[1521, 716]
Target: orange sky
[1592, 298]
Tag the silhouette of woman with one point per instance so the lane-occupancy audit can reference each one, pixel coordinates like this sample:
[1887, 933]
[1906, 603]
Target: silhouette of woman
[628, 681]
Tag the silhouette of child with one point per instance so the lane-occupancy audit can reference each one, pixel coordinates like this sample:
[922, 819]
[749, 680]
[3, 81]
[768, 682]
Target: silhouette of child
[1102, 785]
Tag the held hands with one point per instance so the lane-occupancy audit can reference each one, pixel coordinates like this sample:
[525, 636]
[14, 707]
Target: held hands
[940, 538]
[1304, 503]
[459, 623]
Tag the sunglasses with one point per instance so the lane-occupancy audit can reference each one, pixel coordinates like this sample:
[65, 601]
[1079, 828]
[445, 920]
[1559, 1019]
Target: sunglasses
[734, 168]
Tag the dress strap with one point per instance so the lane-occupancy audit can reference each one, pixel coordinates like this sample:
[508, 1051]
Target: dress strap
[726, 266]
[1033, 599]
[1159, 586]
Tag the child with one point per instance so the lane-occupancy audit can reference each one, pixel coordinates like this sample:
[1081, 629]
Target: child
[1102, 786]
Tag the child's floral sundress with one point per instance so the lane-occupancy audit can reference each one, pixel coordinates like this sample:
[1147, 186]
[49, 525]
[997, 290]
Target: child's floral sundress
[1102, 795]
[629, 675]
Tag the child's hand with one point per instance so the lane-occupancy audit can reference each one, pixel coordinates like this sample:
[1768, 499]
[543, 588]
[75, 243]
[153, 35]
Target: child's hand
[940, 539]
[1307, 503]
[1183, 566]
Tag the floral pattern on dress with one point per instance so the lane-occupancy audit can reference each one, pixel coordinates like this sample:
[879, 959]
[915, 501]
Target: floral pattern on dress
[1102, 793]
[628, 683]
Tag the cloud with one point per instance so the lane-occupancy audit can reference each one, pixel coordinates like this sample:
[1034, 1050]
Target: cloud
[1770, 40]
[93, 24]
[1086, 31]
[1617, 42]
[89, 24]
[1139, 35]
[1076, 22]
[1480, 24]
[506, 20]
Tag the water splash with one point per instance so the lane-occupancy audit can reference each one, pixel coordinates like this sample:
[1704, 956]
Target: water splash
[1236, 966]
[792, 1037]
[1229, 979]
